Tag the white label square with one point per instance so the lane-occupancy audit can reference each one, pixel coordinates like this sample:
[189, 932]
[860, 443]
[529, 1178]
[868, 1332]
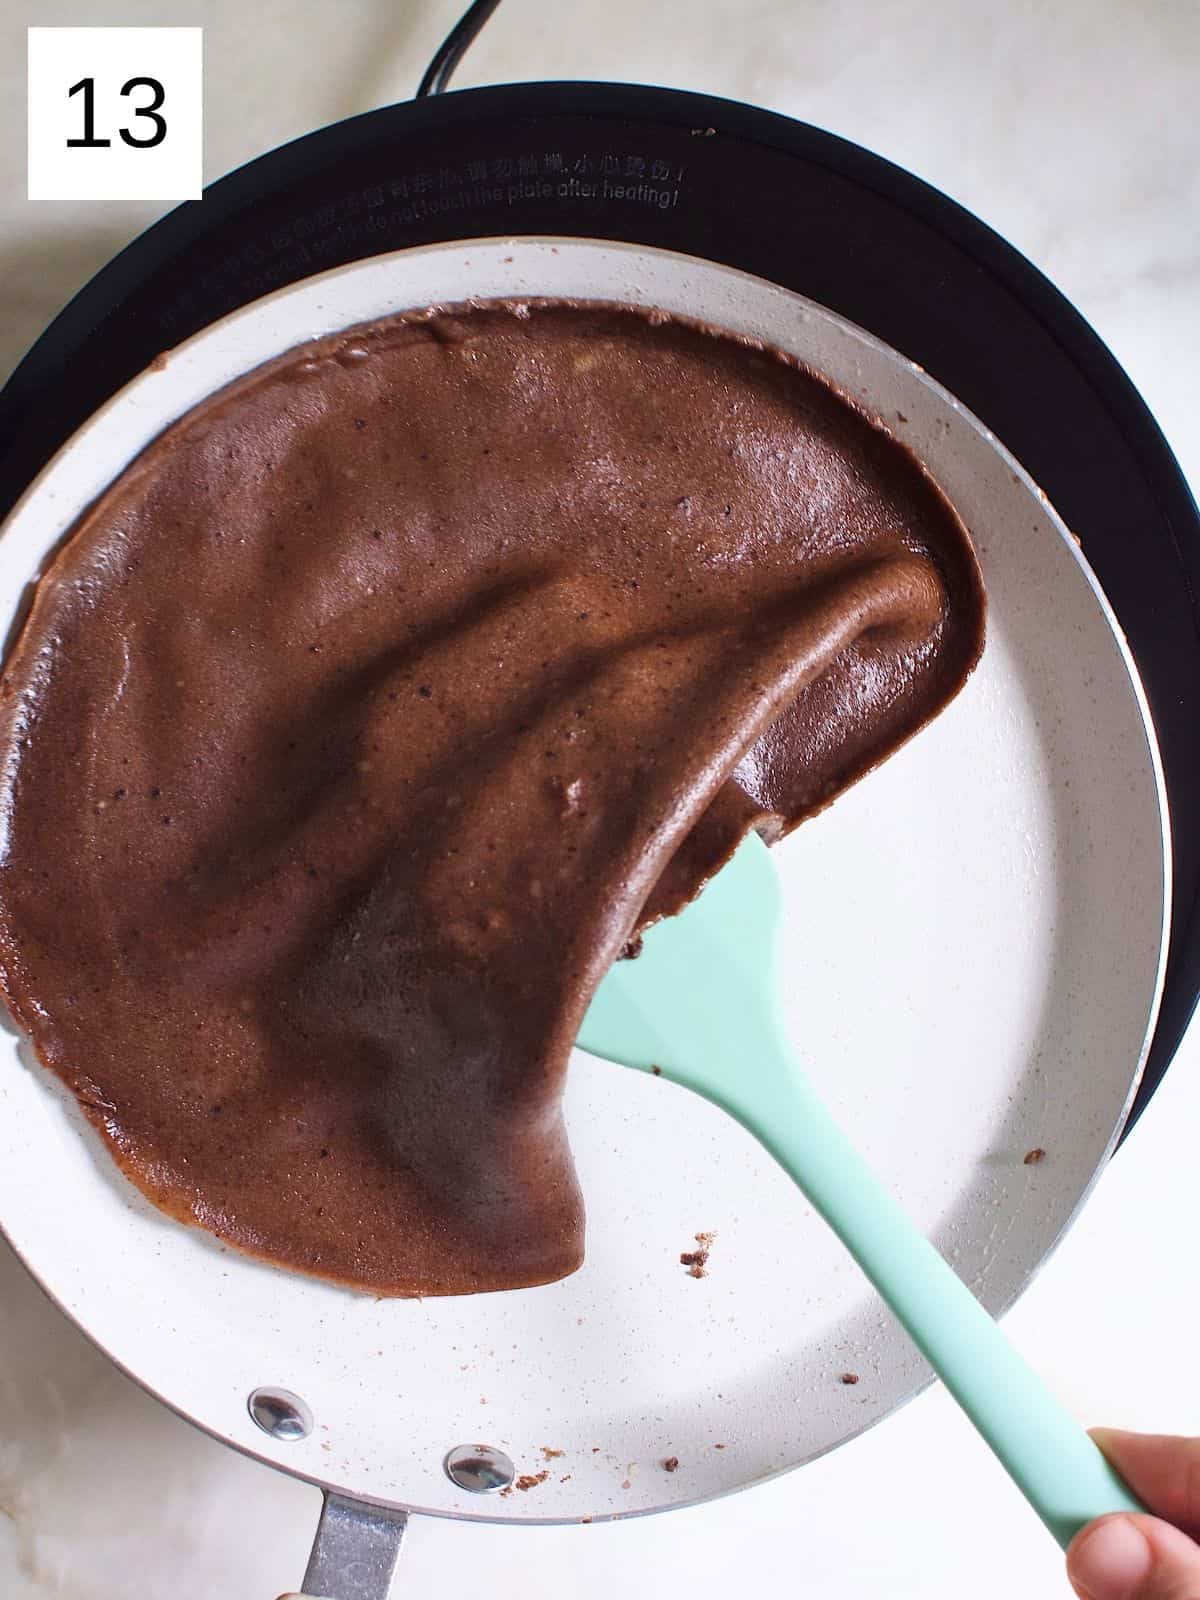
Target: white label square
[115, 114]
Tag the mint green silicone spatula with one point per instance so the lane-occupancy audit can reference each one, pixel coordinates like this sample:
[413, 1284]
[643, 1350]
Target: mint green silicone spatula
[699, 1005]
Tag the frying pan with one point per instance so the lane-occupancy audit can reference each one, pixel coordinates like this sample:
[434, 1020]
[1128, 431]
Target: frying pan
[974, 949]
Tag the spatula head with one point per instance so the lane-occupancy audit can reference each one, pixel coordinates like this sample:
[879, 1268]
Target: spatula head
[703, 978]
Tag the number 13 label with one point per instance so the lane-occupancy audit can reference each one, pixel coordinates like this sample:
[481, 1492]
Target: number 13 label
[87, 87]
[115, 114]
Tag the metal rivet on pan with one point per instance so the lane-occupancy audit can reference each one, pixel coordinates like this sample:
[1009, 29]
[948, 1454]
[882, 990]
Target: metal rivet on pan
[479, 1468]
[280, 1413]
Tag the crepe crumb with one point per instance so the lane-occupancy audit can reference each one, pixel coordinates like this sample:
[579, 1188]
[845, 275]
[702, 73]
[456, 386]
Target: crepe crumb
[552, 1455]
[530, 1480]
[1032, 1157]
[696, 1261]
[849, 1378]
[671, 1464]
[626, 1484]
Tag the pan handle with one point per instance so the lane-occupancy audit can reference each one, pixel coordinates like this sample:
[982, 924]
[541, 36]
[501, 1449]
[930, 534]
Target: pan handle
[355, 1551]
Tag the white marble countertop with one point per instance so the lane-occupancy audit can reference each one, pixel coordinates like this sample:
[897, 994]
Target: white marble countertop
[1071, 129]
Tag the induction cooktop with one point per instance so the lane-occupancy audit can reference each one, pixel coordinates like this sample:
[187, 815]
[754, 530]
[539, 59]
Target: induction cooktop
[738, 185]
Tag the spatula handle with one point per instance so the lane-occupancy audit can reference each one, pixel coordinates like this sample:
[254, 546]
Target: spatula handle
[1044, 1449]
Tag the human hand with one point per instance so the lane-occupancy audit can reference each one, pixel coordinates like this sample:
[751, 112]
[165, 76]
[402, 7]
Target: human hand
[1140, 1557]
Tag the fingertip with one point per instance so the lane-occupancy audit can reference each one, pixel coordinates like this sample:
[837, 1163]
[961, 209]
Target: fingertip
[1124, 1444]
[1115, 1437]
[1110, 1559]
[1132, 1556]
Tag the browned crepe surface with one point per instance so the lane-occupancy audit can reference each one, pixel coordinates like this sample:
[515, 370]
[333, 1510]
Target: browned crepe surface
[352, 729]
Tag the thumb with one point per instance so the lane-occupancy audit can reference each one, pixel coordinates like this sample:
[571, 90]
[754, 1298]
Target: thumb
[1133, 1558]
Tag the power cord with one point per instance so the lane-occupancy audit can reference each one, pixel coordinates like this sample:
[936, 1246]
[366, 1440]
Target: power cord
[455, 45]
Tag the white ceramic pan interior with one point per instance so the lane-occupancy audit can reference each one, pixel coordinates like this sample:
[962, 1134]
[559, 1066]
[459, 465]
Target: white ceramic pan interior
[974, 951]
